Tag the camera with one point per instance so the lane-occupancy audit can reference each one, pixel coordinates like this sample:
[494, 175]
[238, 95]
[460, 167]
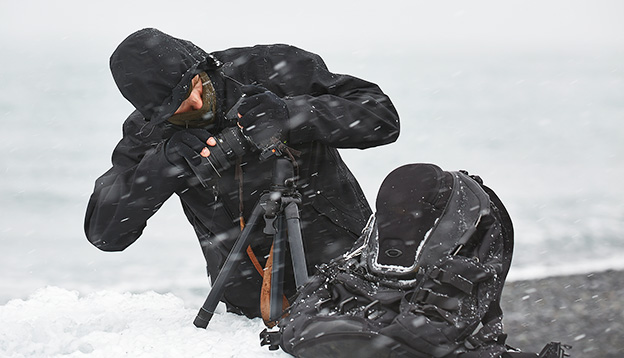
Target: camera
[232, 143]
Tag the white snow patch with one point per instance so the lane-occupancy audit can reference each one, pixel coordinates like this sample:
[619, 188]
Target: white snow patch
[55, 322]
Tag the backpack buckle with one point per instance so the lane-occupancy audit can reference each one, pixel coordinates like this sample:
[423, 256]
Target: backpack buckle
[271, 339]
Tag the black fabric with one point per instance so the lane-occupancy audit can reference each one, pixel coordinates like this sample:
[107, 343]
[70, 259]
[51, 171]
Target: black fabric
[186, 145]
[184, 149]
[433, 315]
[153, 71]
[411, 198]
[327, 111]
[264, 116]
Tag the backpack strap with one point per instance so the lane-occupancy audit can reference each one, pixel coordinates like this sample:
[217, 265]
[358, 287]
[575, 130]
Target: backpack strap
[507, 227]
[494, 315]
[490, 333]
[458, 281]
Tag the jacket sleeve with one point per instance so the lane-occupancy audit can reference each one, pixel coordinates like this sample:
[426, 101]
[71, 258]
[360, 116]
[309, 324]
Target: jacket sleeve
[341, 111]
[129, 193]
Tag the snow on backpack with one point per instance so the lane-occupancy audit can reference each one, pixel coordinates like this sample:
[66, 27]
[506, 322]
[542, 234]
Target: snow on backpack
[424, 279]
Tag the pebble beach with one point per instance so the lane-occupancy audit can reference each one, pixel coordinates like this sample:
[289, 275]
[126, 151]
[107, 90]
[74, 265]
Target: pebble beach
[585, 311]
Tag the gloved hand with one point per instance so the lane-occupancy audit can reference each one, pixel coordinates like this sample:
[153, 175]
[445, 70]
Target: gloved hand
[188, 147]
[263, 116]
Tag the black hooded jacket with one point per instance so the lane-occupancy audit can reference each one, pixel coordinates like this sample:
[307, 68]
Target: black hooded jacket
[327, 111]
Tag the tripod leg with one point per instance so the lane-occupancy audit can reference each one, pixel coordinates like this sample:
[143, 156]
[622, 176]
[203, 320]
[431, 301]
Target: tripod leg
[296, 244]
[231, 263]
[277, 275]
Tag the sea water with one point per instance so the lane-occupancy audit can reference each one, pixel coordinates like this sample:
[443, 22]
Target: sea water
[543, 129]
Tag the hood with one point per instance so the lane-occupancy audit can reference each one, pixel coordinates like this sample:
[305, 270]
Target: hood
[154, 70]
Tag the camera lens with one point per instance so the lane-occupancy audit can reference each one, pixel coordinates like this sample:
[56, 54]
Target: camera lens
[231, 143]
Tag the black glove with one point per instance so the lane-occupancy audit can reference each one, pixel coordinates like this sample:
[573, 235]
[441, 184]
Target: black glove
[183, 148]
[264, 116]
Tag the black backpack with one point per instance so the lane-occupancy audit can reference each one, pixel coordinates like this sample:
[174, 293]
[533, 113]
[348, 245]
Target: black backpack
[443, 302]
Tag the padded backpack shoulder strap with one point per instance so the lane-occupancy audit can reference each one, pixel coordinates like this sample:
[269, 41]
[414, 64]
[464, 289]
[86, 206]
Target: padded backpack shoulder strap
[508, 231]
[492, 330]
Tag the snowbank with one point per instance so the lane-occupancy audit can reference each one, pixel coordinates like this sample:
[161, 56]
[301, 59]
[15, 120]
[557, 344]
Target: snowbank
[55, 322]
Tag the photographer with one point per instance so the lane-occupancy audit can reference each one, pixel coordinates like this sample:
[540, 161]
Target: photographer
[203, 126]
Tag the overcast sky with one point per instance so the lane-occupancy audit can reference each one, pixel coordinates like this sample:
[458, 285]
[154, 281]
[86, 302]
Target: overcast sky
[347, 26]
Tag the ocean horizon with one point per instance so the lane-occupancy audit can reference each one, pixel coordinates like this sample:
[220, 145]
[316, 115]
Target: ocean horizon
[543, 131]
[526, 94]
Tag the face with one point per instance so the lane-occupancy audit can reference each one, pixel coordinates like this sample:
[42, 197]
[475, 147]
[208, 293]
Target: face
[194, 100]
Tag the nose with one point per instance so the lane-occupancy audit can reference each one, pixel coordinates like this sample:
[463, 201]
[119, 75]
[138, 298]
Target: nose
[195, 100]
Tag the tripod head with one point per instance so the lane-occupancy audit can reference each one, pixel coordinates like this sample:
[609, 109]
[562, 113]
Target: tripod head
[283, 175]
[282, 192]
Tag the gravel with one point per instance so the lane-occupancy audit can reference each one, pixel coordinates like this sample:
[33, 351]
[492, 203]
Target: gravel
[585, 311]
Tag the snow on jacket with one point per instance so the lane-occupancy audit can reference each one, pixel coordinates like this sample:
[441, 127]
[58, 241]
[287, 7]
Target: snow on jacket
[328, 111]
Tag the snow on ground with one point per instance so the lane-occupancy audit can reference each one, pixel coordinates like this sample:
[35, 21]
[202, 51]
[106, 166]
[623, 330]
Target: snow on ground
[55, 322]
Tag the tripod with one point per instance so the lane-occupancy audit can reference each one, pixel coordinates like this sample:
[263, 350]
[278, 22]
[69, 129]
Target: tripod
[280, 210]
